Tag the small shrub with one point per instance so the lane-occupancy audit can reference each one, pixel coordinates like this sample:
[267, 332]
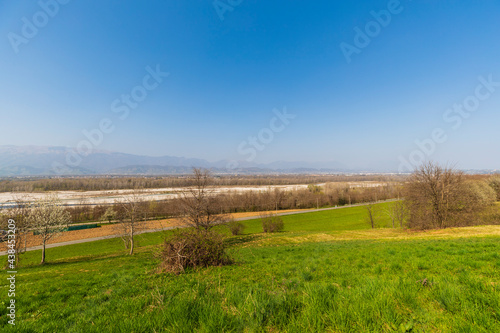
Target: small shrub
[235, 227]
[192, 249]
[272, 223]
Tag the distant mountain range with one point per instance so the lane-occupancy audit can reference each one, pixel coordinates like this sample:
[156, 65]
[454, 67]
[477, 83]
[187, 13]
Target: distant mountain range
[46, 161]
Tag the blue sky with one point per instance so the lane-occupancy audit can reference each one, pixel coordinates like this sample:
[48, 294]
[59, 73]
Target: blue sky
[227, 76]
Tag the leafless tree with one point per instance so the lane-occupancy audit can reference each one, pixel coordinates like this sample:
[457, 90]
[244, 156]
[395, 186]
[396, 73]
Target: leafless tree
[440, 197]
[397, 212]
[130, 222]
[371, 216]
[199, 207]
[391, 213]
[278, 197]
[400, 212]
[48, 218]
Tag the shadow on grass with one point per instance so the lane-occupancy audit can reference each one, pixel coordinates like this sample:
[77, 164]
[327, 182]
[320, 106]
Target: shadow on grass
[242, 239]
[72, 260]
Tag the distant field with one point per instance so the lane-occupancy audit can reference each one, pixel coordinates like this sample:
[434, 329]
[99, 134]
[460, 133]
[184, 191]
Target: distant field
[358, 280]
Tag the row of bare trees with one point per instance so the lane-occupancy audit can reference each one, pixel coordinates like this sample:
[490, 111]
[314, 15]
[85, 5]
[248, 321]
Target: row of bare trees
[332, 194]
[95, 183]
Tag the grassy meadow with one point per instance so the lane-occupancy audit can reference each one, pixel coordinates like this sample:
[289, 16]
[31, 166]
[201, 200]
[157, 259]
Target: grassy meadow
[326, 272]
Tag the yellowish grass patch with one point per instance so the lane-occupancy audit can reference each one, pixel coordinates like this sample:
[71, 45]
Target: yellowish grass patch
[383, 234]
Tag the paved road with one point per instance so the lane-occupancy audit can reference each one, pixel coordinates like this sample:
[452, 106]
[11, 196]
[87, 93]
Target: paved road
[86, 240]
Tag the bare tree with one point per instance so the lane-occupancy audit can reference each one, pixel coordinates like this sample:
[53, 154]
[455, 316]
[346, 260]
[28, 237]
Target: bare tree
[397, 212]
[130, 222]
[199, 207]
[392, 215]
[370, 217]
[440, 197]
[400, 212]
[48, 218]
[278, 197]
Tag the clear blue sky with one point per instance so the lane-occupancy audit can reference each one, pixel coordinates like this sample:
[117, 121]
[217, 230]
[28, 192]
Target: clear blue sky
[226, 77]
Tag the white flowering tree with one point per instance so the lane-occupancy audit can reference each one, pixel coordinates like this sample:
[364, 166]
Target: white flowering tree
[48, 218]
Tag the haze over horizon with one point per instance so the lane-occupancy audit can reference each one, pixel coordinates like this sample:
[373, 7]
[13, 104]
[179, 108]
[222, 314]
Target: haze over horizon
[371, 84]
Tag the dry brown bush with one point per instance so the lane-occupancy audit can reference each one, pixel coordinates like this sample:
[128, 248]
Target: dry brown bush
[192, 249]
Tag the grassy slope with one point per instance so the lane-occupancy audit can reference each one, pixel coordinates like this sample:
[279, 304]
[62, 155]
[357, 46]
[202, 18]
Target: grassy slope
[282, 282]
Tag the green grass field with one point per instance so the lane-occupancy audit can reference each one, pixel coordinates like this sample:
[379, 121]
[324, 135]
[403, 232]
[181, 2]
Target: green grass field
[358, 281]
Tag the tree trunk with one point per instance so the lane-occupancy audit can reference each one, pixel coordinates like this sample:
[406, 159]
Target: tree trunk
[131, 244]
[43, 252]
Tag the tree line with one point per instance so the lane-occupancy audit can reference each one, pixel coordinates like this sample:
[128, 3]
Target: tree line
[98, 183]
[332, 194]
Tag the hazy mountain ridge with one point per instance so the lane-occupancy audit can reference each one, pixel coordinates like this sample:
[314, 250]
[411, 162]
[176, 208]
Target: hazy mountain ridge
[38, 161]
